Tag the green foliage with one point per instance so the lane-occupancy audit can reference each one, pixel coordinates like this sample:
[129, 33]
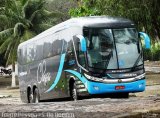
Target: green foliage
[152, 54]
[22, 19]
[82, 11]
[145, 13]
[86, 8]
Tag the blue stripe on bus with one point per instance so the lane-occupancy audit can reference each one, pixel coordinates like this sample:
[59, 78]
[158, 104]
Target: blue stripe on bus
[60, 69]
[82, 78]
[99, 88]
[58, 73]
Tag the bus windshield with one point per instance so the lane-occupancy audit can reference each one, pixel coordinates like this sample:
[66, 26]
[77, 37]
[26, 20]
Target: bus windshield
[113, 48]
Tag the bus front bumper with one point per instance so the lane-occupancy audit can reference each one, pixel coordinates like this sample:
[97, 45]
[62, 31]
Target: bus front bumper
[131, 87]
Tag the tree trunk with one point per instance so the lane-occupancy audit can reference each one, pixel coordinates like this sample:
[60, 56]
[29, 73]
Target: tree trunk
[13, 76]
[156, 26]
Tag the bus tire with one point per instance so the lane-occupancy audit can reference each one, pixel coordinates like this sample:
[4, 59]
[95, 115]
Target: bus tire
[74, 92]
[30, 96]
[36, 96]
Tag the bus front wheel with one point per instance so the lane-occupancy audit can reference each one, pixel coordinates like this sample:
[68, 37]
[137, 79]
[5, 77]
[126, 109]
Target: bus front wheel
[74, 92]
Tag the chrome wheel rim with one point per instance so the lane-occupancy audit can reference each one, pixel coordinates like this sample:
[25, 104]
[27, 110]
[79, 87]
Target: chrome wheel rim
[36, 101]
[74, 94]
[30, 98]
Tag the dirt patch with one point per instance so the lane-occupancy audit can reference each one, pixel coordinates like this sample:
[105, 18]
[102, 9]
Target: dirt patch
[10, 92]
[152, 63]
[152, 79]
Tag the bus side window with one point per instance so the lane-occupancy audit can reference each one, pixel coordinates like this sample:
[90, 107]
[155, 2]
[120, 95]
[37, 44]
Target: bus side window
[47, 48]
[39, 50]
[30, 53]
[20, 56]
[80, 54]
[70, 50]
[64, 48]
[70, 54]
[57, 47]
[24, 55]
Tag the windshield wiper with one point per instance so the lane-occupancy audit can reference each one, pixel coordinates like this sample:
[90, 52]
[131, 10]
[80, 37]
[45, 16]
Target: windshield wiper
[137, 61]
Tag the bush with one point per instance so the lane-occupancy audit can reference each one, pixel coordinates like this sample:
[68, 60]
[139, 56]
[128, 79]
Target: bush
[152, 54]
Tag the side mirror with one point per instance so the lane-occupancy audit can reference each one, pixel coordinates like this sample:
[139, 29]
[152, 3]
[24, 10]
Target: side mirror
[146, 39]
[83, 43]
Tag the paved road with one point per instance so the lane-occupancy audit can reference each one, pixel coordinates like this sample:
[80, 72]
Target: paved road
[88, 108]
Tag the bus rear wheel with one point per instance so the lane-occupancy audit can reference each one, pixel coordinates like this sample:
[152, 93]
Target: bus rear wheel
[36, 96]
[30, 96]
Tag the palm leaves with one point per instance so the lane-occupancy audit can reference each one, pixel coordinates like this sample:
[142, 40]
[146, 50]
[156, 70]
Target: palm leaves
[22, 19]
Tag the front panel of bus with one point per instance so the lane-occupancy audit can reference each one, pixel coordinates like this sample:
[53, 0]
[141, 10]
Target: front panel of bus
[114, 60]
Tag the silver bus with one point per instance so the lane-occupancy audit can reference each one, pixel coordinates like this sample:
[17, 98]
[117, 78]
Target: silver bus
[82, 56]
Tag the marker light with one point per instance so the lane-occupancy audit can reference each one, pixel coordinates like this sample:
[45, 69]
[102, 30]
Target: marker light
[96, 87]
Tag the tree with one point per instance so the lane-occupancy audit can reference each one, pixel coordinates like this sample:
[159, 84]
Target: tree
[145, 13]
[85, 8]
[61, 5]
[22, 19]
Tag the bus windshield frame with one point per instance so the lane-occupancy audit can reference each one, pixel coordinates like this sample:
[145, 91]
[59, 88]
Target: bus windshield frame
[113, 49]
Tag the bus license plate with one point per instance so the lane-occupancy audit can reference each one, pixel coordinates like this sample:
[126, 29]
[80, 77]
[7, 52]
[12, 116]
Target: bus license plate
[119, 87]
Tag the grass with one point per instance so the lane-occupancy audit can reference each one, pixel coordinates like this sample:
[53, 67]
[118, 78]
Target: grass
[152, 54]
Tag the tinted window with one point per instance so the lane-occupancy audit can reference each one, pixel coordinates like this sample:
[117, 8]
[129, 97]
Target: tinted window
[47, 48]
[57, 47]
[24, 55]
[80, 54]
[64, 46]
[100, 49]
[39, 50]
[70, 47]
[31, 53]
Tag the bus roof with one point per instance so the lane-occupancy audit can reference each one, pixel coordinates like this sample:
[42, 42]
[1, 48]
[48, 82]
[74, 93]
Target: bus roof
[90, 22]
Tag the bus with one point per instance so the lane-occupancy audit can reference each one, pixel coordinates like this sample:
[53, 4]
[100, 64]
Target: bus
[83, 56]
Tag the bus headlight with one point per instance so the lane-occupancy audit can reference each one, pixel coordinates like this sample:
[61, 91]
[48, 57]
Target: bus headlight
[93, 78]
